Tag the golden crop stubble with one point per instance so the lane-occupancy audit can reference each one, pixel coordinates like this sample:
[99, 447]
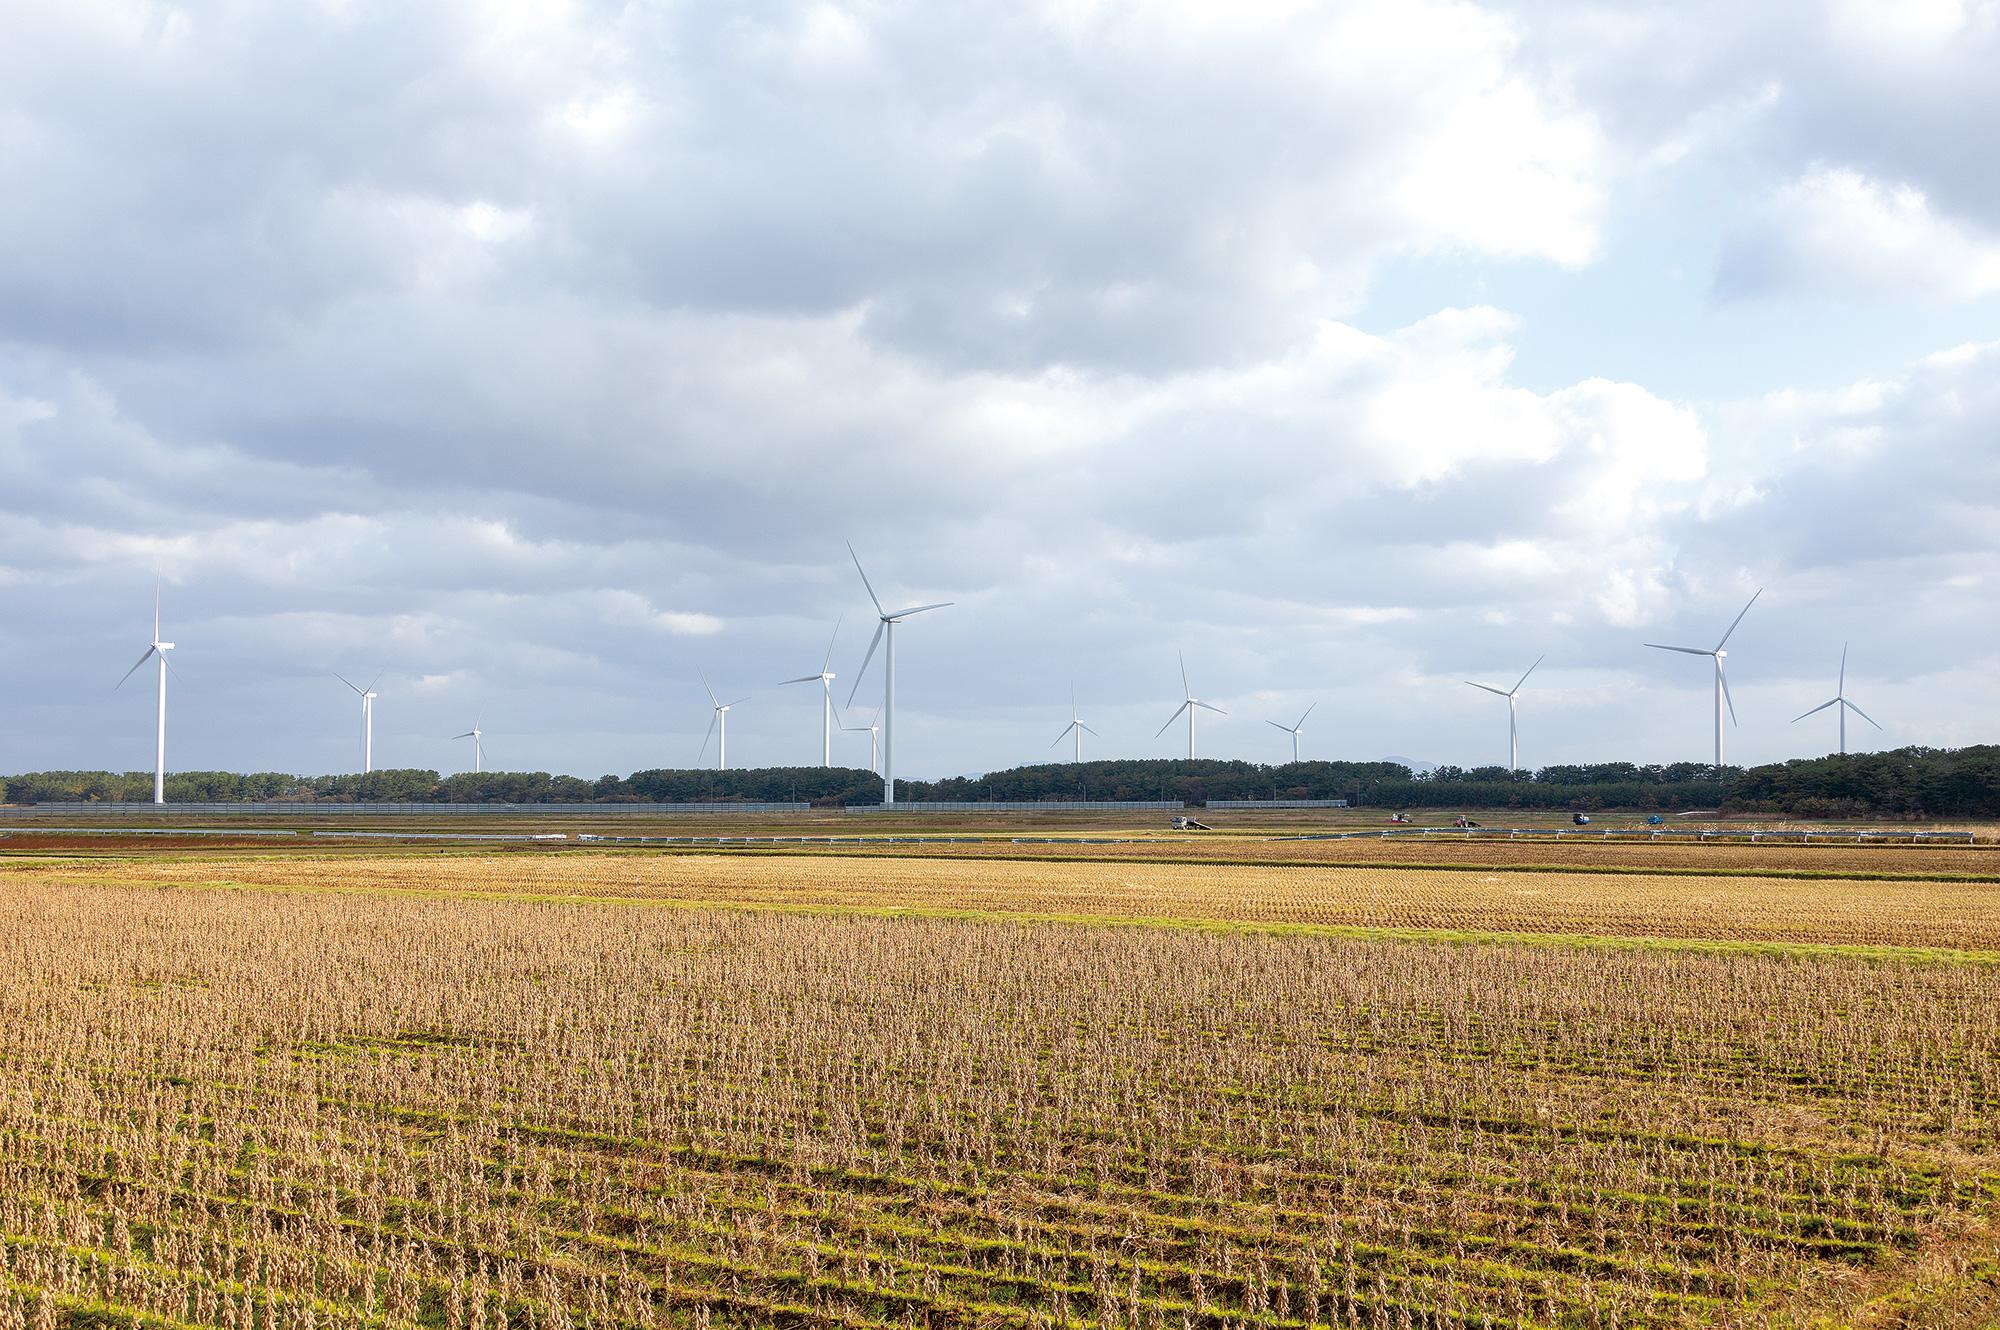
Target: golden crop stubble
[1859, 912]
[372, 1110]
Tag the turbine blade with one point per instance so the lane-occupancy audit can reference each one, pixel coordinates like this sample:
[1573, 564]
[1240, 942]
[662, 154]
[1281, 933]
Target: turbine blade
[1489, 688]
[1276, 726]
[1531, 669]
[467, 735]
[810, 678]
[1065, 734]
[1859, 712]
[1302, 719]
[1841, 690]
[1724, 677]
[1087, 730]
[1206, 707]
[1186, 691]
[1738, 619]
[377, 679]
[862, 673]
[864, 577]
[737, 703]
[1815, 711]
[707, 735]
[1171, 719]
[1690, 651]
[919, 609]
[134, 670]
[829, 643]
[349, 682]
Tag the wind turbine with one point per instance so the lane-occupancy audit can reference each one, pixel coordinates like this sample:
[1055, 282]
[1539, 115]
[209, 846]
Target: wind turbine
[1717, 654]
[874, 728]
[1840, 700]
[887, 628]
[159, 649]
[825, 681]
[720, 720]
[1188, 704]
[478, 745]
[1513, 732]
[1075, 731]
[1293, 730]
[367, 718]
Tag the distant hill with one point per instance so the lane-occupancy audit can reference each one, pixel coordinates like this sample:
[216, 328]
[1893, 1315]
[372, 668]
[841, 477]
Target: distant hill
[1416, 768]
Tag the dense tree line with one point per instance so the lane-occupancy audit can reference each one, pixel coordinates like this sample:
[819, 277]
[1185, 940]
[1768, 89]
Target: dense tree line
[1907, 782]
[1903, 782]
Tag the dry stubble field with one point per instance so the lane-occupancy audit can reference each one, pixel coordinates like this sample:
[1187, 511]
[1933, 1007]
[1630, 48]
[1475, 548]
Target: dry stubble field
[553, 1090]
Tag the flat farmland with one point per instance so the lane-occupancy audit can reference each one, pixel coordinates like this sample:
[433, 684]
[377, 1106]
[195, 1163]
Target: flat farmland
[543, 1091]
[1857, 912]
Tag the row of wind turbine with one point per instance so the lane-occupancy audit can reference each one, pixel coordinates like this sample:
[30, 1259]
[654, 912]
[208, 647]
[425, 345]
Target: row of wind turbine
[881, 727]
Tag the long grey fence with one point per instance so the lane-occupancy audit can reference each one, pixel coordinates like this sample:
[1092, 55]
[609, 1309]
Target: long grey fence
[1274, 803]
[1023, 806]
[289, 809]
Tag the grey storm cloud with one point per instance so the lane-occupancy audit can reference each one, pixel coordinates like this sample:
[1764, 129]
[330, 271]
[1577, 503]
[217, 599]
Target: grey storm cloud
[543, 355]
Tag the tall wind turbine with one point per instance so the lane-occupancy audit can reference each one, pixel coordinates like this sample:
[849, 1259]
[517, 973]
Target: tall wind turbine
[1075, 731]
[367, 718]
[874, 728]
[720, 720]
[1717, 654]
[887, 628]
[478, 745]
[159, 649]
[1293, 730]
[825, 680]
[1188, 704]
[1840, 700]
[1513, 732]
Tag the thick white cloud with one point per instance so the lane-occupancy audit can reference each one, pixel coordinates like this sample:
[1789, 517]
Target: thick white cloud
[1835, 232]
[543, 355]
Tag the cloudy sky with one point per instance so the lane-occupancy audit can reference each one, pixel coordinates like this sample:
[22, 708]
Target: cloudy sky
[541, 354]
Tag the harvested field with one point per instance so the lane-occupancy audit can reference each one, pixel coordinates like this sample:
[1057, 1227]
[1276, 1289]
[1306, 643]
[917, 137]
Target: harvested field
[1841, 912]
[323, 1102]
[1719, 857]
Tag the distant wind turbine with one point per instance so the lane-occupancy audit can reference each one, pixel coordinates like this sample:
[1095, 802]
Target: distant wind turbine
[368, 696]
[1839, 699]
[825, 680]
[1075, 730]
[1513, 731]
[1293, 730]
[1717, 654]
[159, 649]
[874, 728]
[887, 628]
[1188, 704]
[478, 745]
[719, 721]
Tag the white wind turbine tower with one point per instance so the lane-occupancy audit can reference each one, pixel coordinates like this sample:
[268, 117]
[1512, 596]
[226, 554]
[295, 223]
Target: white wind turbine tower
[887, 628]
[478, 745]
[1511, 694]
[1075, 731]
[1188, 704]
[368, 696]
[720, 720]
[1293, 730]
[1840, 700]
[874, 728]
[1717, 654]
[825, 680]
[159, 649]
